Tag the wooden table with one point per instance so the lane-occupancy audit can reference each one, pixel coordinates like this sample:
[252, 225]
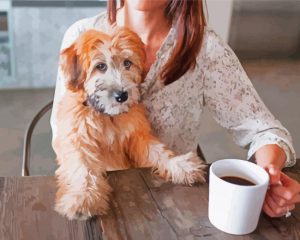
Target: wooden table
[142, 207]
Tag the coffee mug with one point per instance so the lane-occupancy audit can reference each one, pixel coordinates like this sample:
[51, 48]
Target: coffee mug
[235, 202]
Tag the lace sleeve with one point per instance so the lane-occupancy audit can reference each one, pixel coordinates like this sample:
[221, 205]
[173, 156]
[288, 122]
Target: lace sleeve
[235, 104]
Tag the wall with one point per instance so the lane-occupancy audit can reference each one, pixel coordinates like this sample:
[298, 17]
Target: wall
[265, 28]
[219, 16]
[38, 32]
[258, 29]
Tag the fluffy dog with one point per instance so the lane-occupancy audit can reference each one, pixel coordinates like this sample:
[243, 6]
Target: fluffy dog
[102, 125]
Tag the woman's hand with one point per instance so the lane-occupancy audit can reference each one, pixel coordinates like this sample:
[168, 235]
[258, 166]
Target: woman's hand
[282, 197]
[283, 192]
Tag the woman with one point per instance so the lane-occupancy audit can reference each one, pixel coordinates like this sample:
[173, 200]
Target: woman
[188, 68]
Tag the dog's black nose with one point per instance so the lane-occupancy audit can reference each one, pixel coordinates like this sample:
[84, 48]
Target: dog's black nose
[121, 96]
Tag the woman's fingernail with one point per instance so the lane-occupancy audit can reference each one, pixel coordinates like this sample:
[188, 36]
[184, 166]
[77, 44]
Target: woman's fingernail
[272, 170]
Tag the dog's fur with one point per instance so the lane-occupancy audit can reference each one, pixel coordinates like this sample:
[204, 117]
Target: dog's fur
[97, 133]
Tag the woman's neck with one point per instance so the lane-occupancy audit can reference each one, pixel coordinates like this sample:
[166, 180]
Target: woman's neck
[151, 26]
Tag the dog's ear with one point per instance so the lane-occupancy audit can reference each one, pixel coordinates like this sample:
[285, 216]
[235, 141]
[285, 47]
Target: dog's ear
[124, 38]
[72, 68]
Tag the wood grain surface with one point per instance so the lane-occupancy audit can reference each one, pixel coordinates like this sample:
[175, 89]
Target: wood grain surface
[142, 207]
[26, 212]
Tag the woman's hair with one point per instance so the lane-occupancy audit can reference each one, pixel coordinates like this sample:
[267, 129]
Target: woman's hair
[191, 23]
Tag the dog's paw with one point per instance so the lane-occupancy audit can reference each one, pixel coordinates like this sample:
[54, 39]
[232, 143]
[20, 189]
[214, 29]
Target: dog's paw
[76, 208]
[186, 169]
[80, 216]
[72, 212]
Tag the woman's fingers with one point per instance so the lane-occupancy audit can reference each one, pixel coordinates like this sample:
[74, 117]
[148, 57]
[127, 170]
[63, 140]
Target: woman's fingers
[273, 205]
[278, 210]
[268, 210]
[274, 174]
[279, 200]
[283, 202]
[296, 199]
[282, 195]
[286, 181]
[288, 190]
[272, 208]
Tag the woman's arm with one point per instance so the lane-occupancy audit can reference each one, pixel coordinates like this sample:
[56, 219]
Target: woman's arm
[230, 96]
[235, 104]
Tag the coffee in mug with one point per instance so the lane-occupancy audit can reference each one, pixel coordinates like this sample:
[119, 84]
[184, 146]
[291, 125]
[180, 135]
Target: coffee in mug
[238, 180]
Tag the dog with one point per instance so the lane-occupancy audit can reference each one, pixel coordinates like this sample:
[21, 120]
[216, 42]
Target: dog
[102, 124]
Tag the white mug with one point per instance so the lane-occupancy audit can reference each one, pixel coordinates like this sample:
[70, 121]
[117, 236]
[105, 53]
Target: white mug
[233, 208]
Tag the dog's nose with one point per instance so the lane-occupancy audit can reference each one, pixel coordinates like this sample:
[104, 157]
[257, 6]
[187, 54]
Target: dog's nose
[121, 96]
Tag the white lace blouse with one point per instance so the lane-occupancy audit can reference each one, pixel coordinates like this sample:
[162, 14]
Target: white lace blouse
[218, 82]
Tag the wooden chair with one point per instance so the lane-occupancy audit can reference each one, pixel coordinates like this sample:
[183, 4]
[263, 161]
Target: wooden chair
[28, 136]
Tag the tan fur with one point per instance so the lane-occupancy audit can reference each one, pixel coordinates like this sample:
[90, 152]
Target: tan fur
[90, 142]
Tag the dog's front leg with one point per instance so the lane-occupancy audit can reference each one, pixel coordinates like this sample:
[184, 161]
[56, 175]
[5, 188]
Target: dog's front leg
[83, 190]
[147, 150]
[81, 193]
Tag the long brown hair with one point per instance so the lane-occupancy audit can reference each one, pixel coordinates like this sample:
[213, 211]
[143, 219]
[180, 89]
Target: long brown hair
[191, 23]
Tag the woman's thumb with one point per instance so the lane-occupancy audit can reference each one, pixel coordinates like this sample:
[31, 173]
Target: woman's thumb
[274, 174]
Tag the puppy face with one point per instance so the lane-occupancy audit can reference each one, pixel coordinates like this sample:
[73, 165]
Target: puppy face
[108, 69]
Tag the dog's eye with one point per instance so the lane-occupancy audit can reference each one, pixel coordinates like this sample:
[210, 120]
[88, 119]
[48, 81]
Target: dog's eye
[127, 64]
[102, 67]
